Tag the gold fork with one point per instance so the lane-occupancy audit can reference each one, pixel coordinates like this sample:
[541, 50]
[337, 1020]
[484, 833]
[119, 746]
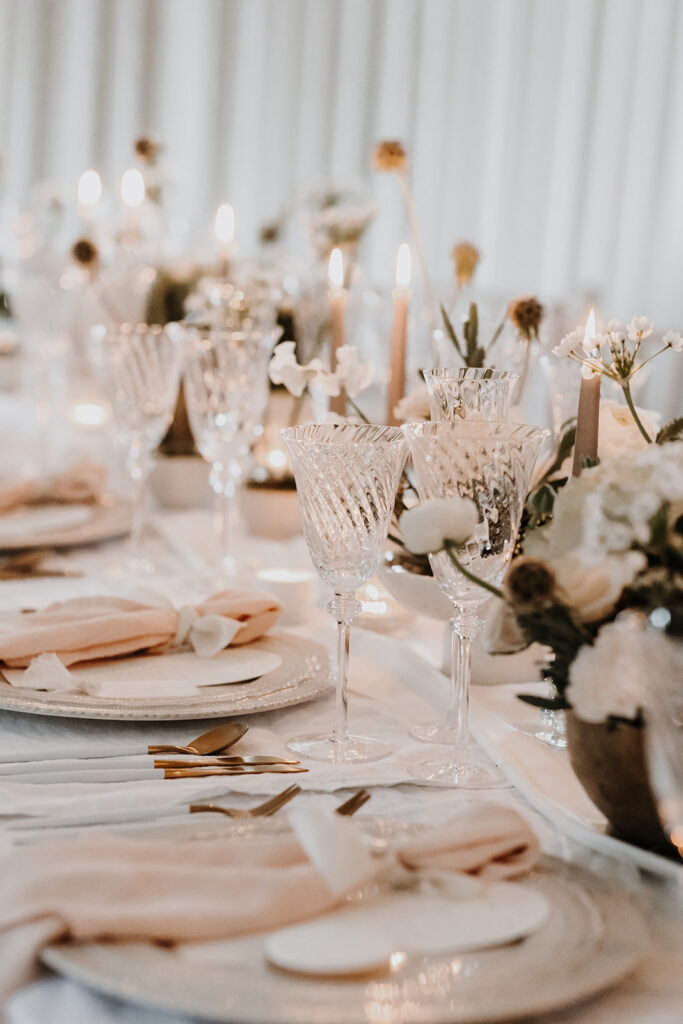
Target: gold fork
[263, 810]
[354, 803]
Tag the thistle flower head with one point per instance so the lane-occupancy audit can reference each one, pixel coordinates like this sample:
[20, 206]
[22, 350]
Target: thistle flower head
[147, 148]
[530, 585]
[389, 155]
[84, 252]
[526, 314]
[465, 257]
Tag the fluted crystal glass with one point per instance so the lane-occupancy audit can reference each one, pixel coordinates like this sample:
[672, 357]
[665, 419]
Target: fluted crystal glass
[471, 394]
[489, 463]
[139, 365]
[346, 479]
[226, 391]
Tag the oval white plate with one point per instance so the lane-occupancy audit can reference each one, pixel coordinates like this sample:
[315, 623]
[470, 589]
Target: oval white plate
[42, 519]
[362, 937]
[593, 937]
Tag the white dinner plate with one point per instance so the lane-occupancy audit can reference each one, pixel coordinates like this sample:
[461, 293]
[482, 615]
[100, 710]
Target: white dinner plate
[64, 526]
[301, 675]
[591, 939]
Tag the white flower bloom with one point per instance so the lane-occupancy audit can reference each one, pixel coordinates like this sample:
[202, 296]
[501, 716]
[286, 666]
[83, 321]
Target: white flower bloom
[674, 339]
[428, 526]
[296, 377]
[639, 327]
[593, 591]
[618, 433]
[570, 343]
[414, 406]
[284, 369]
[354, 374]
[611, 676]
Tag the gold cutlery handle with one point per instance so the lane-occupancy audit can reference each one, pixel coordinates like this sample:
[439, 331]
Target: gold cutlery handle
[198, 773]
[224, 762]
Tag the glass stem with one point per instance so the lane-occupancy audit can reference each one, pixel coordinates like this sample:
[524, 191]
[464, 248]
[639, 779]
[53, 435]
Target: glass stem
[226, 483]
[343, 607]
[138, 468]
[464, 628]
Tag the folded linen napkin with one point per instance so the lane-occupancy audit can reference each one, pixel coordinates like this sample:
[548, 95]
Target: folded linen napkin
[106, 887]
[89, 628]
[80, 484]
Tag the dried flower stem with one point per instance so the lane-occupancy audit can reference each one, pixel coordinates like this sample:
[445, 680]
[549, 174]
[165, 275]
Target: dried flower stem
[521, 383]
[417, 241]
[449, 548]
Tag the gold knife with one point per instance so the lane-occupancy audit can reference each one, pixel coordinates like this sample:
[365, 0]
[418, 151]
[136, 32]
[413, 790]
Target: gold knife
[199, 773]
[228, 761]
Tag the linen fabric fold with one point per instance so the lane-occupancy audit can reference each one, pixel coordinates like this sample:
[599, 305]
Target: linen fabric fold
[80, 484]
[92, 628]
[108, 887]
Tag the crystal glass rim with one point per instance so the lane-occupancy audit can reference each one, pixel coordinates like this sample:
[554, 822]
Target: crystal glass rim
[476, 430]
[321, 433]
[127, 328]
[468, 373]
[198, 333]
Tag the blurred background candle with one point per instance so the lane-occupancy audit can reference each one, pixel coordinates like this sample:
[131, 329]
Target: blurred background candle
[89, 194]
[397, 369]
[337, 297]
[132, 197]
[225, 235]
[588, 416]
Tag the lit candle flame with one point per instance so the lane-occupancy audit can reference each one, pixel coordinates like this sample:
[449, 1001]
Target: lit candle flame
[132, 187]
[89, 188]
[403, 267]
[225, 225]
[335, 270]
[589, 332]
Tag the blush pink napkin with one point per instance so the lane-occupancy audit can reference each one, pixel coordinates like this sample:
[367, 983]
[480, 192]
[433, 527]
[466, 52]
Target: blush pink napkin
[80, 484]
[89, 628]
[106, 887]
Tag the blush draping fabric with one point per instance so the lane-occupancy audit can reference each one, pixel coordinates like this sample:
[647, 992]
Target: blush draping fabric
[107, 887]
[91, 628]
[80, 484]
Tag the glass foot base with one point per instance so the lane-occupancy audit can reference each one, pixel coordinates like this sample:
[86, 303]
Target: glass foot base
[466, 775]
[435, 732]
[558, 741]
[354, 750]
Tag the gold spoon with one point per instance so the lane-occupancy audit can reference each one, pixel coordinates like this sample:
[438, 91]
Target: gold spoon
[211, 742]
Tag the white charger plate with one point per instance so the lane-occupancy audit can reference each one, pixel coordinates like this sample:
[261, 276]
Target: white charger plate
[302, 675]
[593, 937]
[64, 526]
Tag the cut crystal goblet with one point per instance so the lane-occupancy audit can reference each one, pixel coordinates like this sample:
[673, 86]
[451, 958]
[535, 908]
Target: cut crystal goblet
[490, 463]
[471, 394]
[346, 478]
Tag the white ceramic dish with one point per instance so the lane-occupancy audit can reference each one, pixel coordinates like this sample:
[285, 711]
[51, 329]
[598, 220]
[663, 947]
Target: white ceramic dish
[592, 938]
[302, 675]
[56, 526]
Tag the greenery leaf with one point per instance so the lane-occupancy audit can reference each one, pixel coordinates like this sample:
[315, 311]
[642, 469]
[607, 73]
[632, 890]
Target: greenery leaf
[547, 703]
[450, 331]
[671, 431]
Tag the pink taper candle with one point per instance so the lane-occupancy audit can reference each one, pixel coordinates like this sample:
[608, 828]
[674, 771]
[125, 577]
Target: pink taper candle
[337, 297]
[588, 415]
[397, 369]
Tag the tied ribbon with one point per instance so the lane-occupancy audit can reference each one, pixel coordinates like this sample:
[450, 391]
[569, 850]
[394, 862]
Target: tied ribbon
[206, 634]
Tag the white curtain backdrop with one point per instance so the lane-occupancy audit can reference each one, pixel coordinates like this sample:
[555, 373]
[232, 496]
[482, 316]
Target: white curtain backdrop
[549, 132]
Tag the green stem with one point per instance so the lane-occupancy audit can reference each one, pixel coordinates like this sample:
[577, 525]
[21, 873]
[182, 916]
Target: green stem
[361, 415]
[449, 549]
[629, 401]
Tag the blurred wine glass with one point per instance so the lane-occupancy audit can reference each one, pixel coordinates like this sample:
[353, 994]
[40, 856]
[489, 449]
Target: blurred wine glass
[139, 365]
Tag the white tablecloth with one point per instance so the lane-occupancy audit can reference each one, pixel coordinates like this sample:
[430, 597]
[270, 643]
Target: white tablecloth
[391, 687]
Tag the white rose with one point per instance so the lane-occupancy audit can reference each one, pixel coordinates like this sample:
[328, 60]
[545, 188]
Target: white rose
[592, 591]
[611, 677]
[426, 528]
[618, 432]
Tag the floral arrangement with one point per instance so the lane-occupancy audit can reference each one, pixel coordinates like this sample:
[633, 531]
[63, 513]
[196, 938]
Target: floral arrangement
[589, 581]
[351, 376]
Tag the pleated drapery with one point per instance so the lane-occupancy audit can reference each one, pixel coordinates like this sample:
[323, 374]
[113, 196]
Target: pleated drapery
[549, 132]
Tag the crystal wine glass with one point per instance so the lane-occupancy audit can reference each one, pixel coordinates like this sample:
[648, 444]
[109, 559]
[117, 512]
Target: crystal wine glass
[469, 393]
[346, 478]
[140, 369]
[490, 463]
[226, 390]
